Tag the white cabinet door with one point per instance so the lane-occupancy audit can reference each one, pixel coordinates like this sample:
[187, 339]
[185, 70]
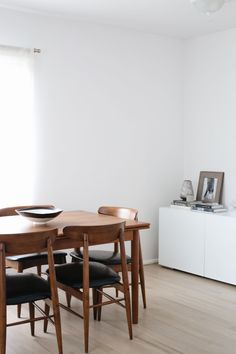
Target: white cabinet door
[182, 239]
[220, 263]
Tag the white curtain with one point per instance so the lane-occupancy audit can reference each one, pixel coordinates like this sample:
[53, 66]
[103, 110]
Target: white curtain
[16, 126]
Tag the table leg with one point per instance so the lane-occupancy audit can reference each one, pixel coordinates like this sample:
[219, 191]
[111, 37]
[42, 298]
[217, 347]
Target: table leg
[135, 275]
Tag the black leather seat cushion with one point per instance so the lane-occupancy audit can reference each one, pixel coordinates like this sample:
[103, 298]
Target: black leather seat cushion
[71, 274]
[59, 256]
[26, 287]
[104, 257]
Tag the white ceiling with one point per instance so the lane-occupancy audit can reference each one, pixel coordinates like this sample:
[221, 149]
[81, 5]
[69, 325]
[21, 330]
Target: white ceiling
[176, 18]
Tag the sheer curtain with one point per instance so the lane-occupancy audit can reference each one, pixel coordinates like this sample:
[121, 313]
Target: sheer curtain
[17, 126]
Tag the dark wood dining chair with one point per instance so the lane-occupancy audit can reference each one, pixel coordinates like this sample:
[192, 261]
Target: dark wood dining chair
[24, 261]
[112, 258]
[27, 287]
[77, 278]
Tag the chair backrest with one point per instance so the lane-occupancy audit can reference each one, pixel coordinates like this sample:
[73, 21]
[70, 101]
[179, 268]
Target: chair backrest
[120, 212]
[12, 210]
[95, 234]
[27, 242]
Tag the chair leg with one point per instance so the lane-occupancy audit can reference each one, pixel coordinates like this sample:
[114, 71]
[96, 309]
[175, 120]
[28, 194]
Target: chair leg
[54, 297]
[32, 316]
[3, 311]
[68, 296]
[68, 299]
[94, 303]
[39, 270]
[19, 310]
[128, 312]
[19, 270]
[99, 301]
[141, 276]
[57, 320]
[3, 332]
[45, 323]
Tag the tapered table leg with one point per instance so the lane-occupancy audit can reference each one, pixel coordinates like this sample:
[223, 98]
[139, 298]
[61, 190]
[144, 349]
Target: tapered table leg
[135, 275]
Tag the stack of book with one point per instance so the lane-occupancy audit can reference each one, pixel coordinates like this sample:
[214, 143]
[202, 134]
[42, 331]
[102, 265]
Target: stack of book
[182, 203]
[208, 207]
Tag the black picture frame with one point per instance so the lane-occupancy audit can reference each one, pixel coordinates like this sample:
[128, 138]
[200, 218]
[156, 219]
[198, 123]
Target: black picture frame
[210, 187]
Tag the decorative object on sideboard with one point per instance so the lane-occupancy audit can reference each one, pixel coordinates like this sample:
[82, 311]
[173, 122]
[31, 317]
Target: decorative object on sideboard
[210, 187]
[186, 192]
[209, 207]
[208, 6]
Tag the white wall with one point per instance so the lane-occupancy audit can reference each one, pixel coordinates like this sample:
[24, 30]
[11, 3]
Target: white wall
[210, 108]
[109, 110]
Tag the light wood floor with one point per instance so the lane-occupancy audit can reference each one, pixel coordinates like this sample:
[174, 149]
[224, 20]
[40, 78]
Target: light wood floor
[186, 314]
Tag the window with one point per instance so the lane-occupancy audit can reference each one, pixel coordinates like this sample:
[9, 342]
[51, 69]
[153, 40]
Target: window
[17, 126]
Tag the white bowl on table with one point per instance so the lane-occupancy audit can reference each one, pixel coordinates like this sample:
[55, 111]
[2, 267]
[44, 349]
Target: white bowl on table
[39, 215]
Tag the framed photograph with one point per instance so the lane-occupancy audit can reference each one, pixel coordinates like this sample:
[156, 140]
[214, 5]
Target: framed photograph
[210, 187]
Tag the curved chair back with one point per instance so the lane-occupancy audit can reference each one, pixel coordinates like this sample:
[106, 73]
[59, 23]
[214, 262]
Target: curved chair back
[27, 242]
[120, 212]
[95, 234]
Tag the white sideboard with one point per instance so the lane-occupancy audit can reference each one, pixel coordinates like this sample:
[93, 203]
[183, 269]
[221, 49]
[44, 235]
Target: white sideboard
[198, 242]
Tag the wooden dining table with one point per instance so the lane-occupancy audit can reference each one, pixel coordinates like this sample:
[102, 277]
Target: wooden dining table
[18, 224]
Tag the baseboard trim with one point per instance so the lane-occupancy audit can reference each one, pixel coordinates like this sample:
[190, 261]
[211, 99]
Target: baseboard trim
[150, 261]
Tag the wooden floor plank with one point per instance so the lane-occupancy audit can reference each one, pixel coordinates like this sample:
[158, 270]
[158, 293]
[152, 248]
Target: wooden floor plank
[186, 314]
